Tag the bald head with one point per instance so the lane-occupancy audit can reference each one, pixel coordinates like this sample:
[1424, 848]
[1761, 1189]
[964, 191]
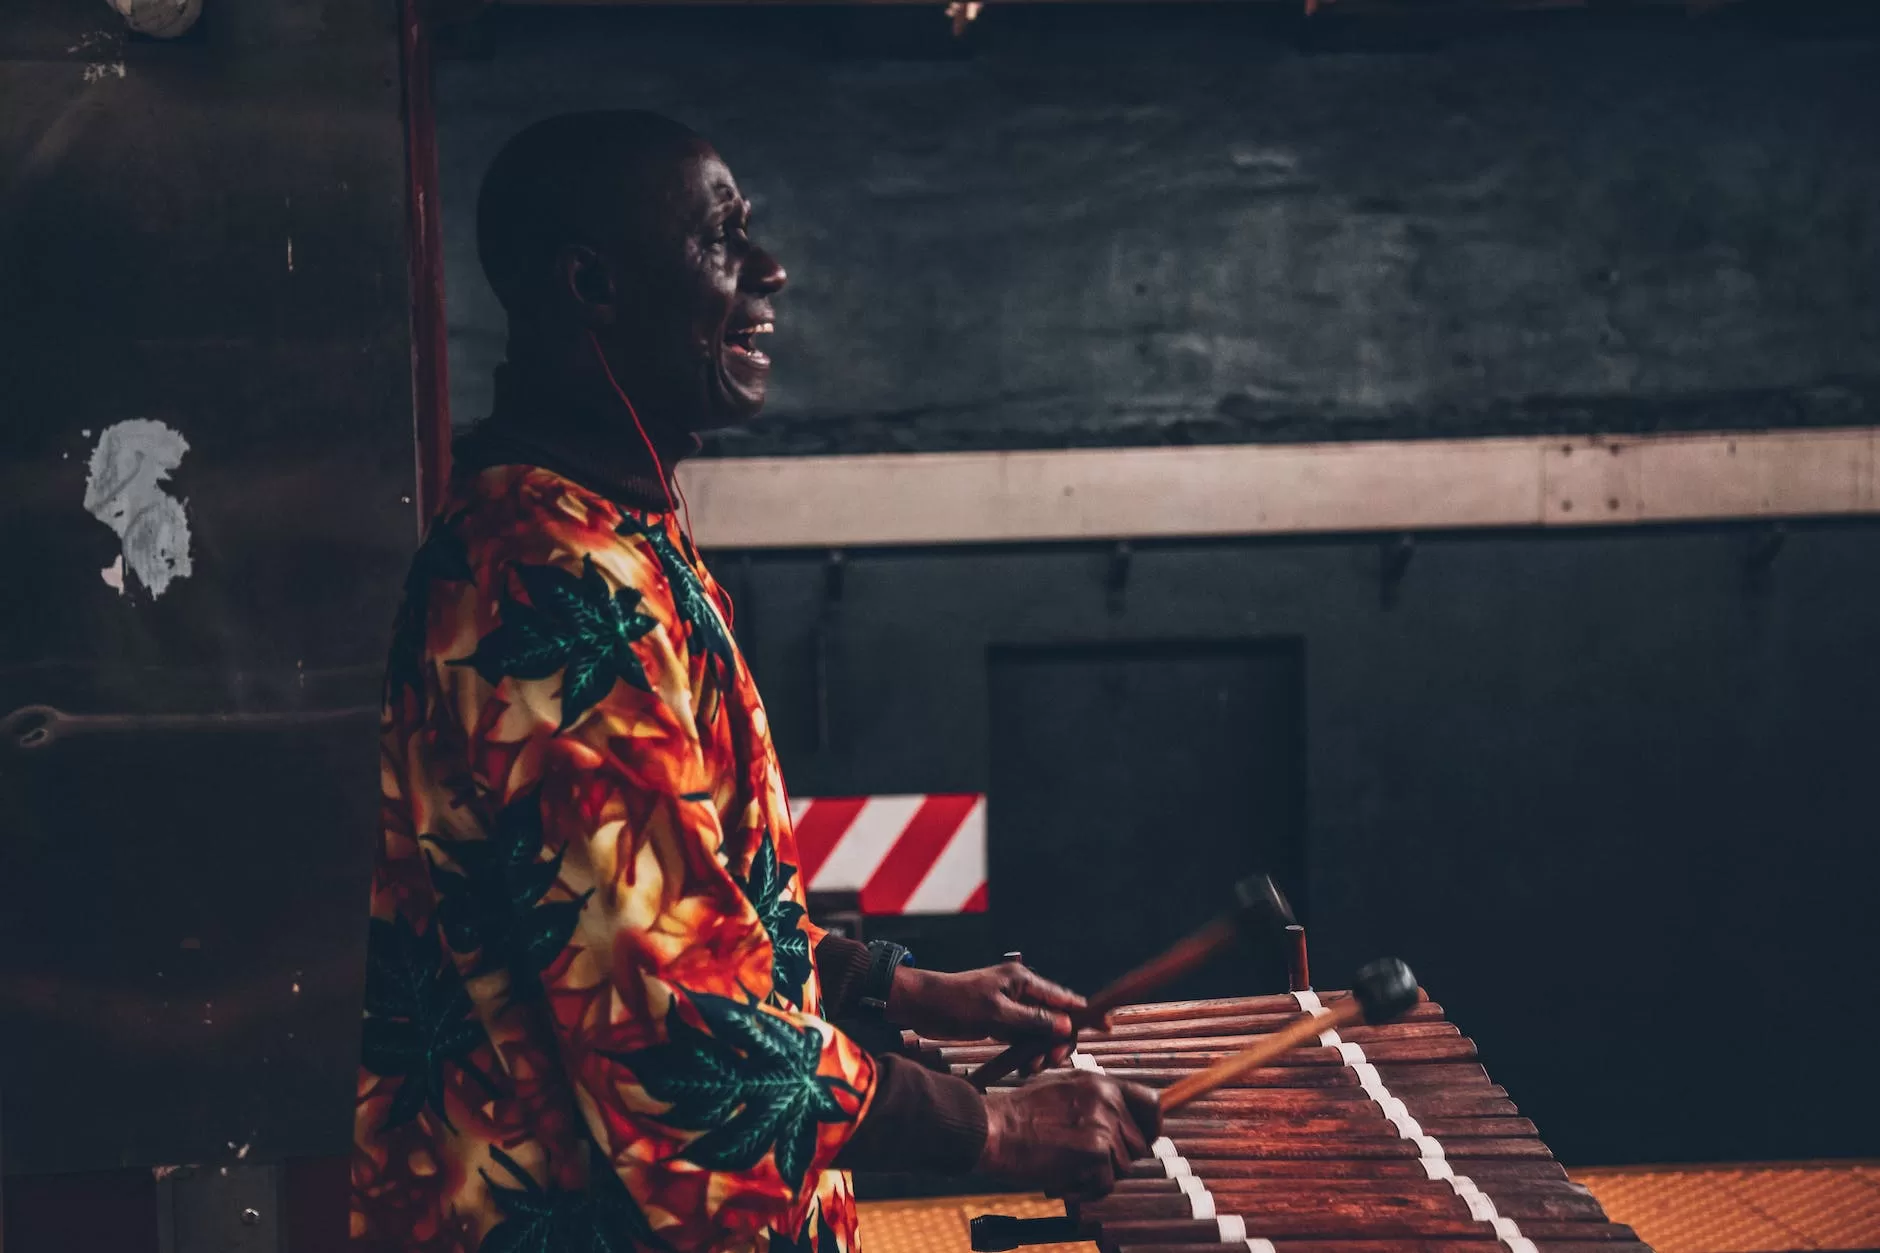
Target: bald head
[577, 180]
[621, 238]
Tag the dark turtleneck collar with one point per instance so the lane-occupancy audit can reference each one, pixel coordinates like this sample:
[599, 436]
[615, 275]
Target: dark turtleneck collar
[530, 424]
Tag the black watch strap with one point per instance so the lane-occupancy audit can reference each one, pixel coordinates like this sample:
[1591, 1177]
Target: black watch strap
[886, 957]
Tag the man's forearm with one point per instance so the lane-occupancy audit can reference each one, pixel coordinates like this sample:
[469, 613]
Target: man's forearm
[842, 969]
[919, 1121]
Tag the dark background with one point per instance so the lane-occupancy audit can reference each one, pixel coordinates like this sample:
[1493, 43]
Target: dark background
[1603, 791]
[1216, 223]
[1132, 784]
[182, 914]
[1608, 792]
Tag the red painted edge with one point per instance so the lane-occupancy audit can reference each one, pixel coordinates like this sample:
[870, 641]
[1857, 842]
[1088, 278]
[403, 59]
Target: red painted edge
[424, 246]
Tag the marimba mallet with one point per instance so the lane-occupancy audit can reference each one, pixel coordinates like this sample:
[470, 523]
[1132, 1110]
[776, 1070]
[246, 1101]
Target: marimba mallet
[1382, 991]
[1260, 912]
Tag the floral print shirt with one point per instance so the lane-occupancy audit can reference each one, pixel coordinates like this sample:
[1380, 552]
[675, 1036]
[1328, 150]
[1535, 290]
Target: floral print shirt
[591, 1000]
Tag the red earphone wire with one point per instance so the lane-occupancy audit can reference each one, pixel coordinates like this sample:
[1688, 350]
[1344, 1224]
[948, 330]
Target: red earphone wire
[682, 510]
[684, 516]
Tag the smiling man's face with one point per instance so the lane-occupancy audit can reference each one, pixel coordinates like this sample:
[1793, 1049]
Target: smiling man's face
[695, 300]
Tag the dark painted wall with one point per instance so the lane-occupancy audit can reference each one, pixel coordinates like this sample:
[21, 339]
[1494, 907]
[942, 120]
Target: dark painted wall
[1609, 794]
[1604, 791]
[1218, 223]
[206, 233]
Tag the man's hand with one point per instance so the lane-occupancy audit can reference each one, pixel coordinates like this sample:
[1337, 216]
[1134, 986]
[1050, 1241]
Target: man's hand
[1069, 1135]
[1005, 1002]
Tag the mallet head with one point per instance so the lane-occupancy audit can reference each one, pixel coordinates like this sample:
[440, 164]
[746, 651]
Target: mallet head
[1385, 989]
[1261, 908]
[994, 1233]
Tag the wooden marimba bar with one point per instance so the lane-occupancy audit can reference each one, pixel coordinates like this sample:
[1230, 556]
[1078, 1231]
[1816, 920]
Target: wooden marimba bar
[1374, 1139]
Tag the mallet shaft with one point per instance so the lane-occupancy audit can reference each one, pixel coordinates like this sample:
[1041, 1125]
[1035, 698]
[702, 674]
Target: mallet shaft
[1186, 955]
[1342, 1014]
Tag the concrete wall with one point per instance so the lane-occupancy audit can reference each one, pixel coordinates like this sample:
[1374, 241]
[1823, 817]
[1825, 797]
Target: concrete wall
[1217, 223]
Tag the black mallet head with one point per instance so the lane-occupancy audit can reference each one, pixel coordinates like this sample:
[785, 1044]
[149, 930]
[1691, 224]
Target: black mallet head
[994, 1233]
[1385, 989]
[1261, 908]
[999, 1233]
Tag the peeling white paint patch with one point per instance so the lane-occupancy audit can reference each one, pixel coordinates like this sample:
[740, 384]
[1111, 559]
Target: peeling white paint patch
[103, 69]
[114, 574]
[93, 41]
[125, 492]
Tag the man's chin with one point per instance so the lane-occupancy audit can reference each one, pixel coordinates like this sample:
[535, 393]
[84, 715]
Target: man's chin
[734, 402]
[722, 423]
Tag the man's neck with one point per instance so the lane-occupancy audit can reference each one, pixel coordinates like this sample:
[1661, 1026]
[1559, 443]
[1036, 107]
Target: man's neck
[537, 418]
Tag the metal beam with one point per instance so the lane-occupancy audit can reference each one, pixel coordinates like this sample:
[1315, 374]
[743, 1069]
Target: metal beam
[1409, 485]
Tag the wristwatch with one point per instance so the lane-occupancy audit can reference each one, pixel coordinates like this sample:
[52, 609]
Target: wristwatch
[885, 958]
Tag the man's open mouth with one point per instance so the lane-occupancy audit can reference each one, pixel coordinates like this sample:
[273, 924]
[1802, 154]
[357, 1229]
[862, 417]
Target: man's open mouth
[742, 342]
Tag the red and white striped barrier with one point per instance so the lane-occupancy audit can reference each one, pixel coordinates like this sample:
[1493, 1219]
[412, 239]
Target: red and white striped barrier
[903, 854]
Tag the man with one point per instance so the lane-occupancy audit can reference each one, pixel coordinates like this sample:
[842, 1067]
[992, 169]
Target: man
[596, 1015]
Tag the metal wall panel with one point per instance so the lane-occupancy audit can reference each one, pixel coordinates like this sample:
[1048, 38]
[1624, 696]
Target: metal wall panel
[1606, 792]
[206, 234]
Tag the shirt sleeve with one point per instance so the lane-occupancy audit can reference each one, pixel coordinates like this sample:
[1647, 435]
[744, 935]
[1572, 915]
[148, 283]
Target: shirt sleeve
[841, 968]
[920, 1121]
[639, 966]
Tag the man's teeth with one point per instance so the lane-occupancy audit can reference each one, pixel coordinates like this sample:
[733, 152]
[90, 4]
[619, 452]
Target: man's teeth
[739, 341]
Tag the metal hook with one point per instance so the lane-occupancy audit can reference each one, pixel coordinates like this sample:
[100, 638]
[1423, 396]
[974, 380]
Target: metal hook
[1765, 542]
[1393, 562]
[834, 568]
[1116, 578]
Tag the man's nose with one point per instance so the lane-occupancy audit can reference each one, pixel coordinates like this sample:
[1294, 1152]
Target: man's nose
[762, 273]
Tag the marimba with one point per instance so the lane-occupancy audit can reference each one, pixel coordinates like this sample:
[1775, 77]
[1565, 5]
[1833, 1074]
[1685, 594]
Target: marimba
[1374, 1139]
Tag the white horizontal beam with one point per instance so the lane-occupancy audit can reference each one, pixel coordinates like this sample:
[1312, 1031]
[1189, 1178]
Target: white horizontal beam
[1409, 485]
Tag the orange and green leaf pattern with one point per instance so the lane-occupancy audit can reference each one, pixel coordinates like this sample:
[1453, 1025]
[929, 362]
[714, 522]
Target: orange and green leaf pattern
[591, 1003]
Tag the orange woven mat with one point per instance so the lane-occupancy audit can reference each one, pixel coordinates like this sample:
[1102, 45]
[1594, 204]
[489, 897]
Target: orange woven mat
[1691, 1209]
[1745, 1209]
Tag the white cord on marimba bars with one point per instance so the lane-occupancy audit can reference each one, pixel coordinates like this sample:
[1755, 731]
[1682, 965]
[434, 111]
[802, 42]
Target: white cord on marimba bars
[1233, 1227]
[1429, 1151]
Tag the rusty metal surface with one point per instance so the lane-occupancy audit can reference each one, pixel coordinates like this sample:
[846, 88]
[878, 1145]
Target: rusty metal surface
[205, 234]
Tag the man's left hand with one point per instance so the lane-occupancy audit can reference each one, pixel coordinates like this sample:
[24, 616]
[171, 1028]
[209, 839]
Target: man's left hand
[1006, 1002]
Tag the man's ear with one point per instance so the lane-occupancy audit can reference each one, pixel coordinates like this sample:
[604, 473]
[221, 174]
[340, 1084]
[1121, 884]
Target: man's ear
[587, 282]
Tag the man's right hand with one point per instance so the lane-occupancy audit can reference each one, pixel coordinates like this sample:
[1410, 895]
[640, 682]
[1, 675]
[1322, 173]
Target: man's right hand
[1069, 1134]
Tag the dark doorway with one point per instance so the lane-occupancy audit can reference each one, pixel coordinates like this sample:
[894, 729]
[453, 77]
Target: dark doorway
[1130, 785]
